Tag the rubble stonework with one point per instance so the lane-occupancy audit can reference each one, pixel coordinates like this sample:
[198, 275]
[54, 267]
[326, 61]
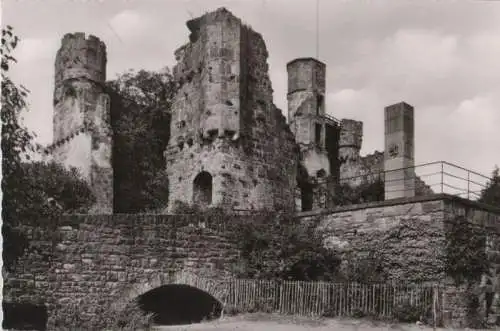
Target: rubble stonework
[315, 133]
[356, 169]
[82, 135]
[408, 241]
[229, 145]
[96, 259]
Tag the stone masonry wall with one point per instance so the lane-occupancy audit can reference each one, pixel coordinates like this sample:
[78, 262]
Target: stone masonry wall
[457, 297]
[406, 237]
[224, 121]
[92, 260]
[356, 169]
[28, 281]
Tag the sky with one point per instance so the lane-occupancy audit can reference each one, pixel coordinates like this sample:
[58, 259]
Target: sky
[442, 57]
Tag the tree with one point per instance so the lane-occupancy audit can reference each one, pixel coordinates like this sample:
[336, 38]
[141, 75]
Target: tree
[466, 257]
[366, 192]
[36, 191]
[491, 194]
[16, 140]
[140, 113]
[43, 192]
[281, 248]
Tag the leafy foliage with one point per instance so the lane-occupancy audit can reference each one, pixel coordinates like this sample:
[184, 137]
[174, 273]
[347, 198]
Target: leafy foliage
[366, 192]
[42, 192]
[130, 319]
[365, 270]
[31, 191]
[280, 248]
[273, 246]
[407, 313]
[491, 194]
[465, 251]
[16, 140]
[140, 114]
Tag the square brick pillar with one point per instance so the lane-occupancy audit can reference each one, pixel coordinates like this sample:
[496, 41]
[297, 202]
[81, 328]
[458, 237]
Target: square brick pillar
[399, 151]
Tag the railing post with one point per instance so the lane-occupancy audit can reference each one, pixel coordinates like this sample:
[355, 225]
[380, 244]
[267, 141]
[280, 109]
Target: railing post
[434, 306]
[442, 177]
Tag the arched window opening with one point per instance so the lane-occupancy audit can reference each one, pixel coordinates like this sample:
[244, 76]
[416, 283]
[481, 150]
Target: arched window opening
[202, 189]
[179, 305]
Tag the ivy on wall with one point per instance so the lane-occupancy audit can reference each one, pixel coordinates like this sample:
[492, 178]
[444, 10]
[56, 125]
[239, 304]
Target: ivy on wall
[466, 258]
[272, 245]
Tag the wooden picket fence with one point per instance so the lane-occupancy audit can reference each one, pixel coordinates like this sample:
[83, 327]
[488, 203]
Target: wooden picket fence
[332, 299]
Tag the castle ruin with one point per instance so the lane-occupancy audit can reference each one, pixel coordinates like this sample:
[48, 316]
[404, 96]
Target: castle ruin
[230, 146]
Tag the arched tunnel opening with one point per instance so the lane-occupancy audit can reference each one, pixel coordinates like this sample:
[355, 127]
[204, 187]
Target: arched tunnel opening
[179, 305]
[24, 316]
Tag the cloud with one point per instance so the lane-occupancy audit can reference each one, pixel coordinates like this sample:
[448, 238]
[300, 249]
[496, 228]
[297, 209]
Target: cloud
[476, 120]
[377, 53]
[362, 105]
[36, 49]
[422, 51]
[130, 24]
[466, 134]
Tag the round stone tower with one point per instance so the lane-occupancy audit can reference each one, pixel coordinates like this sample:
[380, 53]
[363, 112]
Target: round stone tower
[80, 73]
[82, 136]
[307, 121]
[81, 57]
[306, 102]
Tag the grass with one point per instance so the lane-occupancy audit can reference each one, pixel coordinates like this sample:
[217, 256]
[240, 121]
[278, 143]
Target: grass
[273, 322]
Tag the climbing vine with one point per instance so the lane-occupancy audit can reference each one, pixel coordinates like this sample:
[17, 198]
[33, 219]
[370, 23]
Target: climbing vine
[465, 250]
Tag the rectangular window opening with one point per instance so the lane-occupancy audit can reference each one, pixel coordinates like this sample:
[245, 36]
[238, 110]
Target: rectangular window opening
[318, 134]
[319, 104]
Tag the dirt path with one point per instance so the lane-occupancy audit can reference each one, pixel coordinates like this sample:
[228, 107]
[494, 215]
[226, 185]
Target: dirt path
[261, 322]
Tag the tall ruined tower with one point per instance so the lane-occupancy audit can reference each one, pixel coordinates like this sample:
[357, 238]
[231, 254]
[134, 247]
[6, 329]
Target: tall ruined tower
[351, 138]
[82, 131]
[229, 145]
[399, 151]
[315, 132]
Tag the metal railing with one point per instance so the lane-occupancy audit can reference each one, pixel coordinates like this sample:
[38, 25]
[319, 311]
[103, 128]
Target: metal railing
[433, 177]
[331, 119]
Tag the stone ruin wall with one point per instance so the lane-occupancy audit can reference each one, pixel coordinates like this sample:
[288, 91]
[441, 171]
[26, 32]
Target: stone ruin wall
[91, 261]
[408, 241]
[405, 238]
[356, 169]
[82, 130]
[224, 121]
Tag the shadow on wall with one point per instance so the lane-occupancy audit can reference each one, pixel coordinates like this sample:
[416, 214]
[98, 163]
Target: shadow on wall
[24, 316]
[179, 304]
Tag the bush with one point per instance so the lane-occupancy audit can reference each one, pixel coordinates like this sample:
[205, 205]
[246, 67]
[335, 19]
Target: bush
[358, 313]
[232, 310]
[133, 318]
[406, 313]
[130, 319]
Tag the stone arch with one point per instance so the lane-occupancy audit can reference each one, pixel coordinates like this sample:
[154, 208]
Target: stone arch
[217, 288]
[203, 189]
